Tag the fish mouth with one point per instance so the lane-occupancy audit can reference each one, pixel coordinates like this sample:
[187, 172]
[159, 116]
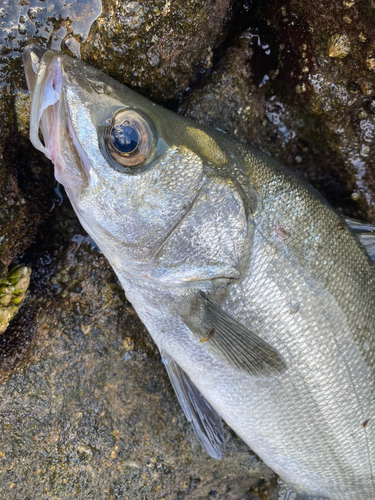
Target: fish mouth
[44, 80]
[48, 113]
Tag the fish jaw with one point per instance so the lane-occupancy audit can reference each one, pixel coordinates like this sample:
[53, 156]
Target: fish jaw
[45, 76]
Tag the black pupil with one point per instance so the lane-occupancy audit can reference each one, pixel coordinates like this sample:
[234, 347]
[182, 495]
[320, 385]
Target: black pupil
[124, 138]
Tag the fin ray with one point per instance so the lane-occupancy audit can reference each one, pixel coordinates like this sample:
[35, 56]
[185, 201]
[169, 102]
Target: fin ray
[241, 348]
[359, 225]
[366, 234]
[205, 421]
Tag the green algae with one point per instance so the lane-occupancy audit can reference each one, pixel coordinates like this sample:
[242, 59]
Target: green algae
[12, 293]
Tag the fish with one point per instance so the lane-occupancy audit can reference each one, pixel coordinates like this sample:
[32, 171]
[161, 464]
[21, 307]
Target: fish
[258, 294]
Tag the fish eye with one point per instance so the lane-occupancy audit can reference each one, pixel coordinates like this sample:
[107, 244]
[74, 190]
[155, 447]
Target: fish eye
[128, 138]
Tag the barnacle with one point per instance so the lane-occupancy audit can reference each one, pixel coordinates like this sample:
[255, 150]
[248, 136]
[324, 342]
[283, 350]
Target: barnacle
[339, 46]
[370, 63]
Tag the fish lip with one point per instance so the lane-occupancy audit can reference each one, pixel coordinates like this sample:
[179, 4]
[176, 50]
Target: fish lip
[45, 79]
[32, 55]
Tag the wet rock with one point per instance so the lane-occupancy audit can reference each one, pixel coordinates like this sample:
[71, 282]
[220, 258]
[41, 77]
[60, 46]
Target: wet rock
[26, 188]
[19, 215]
[228, 100]
[26, 182]
[156, 46]
[340, 92]
[271, 120]
[283, 87]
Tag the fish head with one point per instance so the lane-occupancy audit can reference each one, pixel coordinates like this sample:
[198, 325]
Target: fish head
[131, 169]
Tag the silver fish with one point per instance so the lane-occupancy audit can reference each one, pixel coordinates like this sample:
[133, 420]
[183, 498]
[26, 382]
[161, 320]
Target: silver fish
[259, 296]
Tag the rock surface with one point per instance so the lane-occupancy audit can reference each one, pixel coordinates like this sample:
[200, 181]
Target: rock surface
[277, 87]
[156, 46]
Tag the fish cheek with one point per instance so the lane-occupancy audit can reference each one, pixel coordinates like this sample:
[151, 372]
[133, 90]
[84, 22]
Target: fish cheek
[213, 239]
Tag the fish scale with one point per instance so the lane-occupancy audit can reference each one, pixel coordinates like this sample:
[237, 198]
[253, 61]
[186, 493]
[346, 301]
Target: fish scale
[295, 419]
[325, 367]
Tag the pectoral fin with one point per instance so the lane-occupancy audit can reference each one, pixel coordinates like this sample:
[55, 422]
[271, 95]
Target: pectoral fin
[205, 421]
[365, 233]
[227, 338]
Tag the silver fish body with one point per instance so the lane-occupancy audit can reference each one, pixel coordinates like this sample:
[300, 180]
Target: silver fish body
[206, 231]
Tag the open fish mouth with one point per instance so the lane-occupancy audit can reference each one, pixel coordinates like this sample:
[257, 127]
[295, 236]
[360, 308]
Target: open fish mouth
[44, 81]
[44, 76]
